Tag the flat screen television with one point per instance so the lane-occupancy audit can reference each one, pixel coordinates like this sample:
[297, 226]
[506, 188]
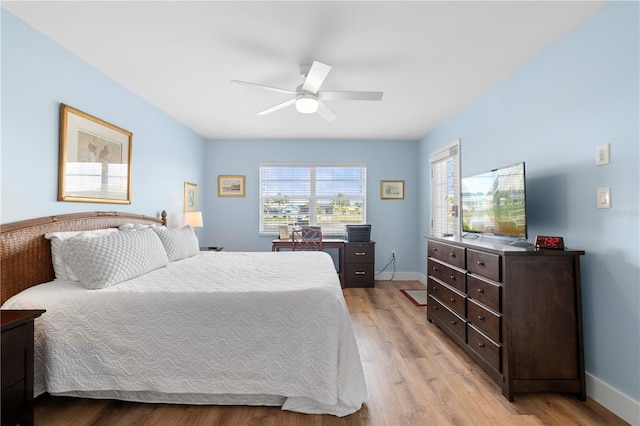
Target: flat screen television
[494, 202]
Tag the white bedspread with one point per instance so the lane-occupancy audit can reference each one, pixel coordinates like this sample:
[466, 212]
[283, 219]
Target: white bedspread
[217, 323]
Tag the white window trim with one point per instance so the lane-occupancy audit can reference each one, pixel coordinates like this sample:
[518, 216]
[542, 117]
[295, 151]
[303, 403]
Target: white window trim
[450, 151]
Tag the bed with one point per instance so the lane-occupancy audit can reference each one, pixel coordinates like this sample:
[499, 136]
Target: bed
[268, 328]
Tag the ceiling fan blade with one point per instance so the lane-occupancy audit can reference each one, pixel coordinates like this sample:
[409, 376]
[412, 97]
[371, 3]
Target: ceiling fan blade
[326, 112]
[315, 77]
[262, 86]
[350, 96]
[277, 107]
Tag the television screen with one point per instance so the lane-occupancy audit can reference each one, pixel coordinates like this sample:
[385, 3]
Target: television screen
[494, 202]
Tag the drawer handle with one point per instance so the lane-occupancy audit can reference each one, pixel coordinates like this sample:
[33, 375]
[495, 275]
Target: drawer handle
[435, 249]
[434, 288]
[452, 254]
[480, 291]
[480, 317]
[481, 345]
[453, 323]
[480, 263]
[360, 272]
[453, 277]
[361, 253]
[453, 300]
[434, 268]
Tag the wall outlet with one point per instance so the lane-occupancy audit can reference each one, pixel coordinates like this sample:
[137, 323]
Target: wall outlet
[393, 254]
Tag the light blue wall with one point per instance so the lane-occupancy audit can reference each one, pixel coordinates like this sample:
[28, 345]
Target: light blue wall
[233, 222]
[552, 113]
[38, 75]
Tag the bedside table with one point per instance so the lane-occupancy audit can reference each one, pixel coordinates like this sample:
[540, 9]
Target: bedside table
[17, 366]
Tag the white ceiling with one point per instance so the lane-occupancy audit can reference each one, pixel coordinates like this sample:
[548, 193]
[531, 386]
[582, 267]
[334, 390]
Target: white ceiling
[430, 58]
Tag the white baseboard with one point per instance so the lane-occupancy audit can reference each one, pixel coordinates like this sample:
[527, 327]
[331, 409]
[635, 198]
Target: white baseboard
[613, 400]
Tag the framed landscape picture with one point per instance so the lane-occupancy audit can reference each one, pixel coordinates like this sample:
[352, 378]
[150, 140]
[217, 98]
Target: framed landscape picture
[392, 190]
[231, 186]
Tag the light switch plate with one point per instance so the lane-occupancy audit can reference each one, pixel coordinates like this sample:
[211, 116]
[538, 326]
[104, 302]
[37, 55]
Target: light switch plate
[602, 154]
[604, 198]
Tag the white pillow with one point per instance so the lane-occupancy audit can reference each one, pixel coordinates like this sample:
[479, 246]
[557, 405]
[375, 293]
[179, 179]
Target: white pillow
[134, 226]
[179, 243]
[58, 240]
[111, 259]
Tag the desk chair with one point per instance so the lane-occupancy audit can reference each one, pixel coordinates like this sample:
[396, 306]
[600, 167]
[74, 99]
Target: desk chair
[306, 239]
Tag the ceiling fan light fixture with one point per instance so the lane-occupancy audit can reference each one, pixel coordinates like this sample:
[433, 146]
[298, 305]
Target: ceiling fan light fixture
[307, 103]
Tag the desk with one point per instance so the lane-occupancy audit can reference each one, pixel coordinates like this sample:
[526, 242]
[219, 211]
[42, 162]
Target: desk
[355, 260]
[276, 245]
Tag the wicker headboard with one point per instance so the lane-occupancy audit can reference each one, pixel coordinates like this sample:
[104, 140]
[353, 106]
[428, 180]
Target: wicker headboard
[25, 255]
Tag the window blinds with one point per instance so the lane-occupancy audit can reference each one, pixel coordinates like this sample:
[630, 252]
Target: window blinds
[445, 190]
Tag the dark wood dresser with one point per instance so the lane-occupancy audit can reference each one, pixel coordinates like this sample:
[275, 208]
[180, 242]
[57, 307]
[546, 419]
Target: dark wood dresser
[359, 264]
[17, 366]
[517, 311]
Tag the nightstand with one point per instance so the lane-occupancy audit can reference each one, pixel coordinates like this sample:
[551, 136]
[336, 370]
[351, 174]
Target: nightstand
[211, 248]
[17, 366]
[359, 264]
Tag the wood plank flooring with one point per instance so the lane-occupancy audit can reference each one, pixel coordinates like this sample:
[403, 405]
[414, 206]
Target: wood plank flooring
[415, 376]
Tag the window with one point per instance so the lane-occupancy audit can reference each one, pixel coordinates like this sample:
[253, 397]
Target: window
[311, 194]
[445, 190]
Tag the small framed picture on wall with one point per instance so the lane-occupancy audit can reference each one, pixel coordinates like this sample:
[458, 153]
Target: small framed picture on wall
[231, 186]
[190, 197]
[392, 190]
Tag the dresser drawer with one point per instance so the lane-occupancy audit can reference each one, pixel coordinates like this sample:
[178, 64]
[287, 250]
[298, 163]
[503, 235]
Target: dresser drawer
[359, 252]
[453, 299]
[484, 347]
[452, 323]
[447, 253]
[487, 321]
[486, 292]
[453, 277]
[484, 264]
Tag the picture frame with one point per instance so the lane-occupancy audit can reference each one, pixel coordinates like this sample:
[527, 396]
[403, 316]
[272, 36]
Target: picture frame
[283, 232]
[392, 190]
[190, 197]
[94, 159]
[231, 186]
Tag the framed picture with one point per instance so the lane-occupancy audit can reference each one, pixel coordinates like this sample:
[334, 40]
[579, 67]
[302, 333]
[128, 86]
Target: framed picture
[392, 190]
[95, 159]
[283, 232]
[190, 197]
[230, 186]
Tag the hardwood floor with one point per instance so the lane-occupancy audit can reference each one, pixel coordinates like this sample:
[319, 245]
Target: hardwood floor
[415, 376]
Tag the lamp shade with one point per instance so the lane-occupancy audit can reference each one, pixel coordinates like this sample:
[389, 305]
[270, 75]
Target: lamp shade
[193, 219]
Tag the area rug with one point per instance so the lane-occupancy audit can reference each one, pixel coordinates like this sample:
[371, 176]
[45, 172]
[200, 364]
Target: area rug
[418, 297]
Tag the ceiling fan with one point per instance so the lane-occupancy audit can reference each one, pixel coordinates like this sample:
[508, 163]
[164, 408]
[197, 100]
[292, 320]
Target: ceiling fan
[308, 98]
